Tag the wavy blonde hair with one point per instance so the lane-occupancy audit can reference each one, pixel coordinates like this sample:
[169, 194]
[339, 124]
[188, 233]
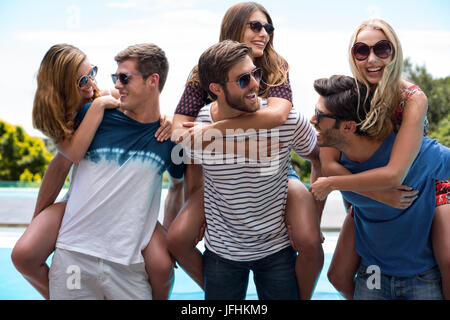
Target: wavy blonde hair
[234, 22]
[386, 95]
[57, 99]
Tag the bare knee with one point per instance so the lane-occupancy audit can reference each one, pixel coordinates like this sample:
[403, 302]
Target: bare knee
[23, 258]
[161, 265]
[309, 244]
[339, 280]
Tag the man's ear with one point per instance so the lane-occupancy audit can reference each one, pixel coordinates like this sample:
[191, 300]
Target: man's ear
[153, 80]
[215, 88]
[349, 126]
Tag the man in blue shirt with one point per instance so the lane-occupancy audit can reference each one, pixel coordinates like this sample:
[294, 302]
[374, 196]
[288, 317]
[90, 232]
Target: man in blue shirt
[394, 244]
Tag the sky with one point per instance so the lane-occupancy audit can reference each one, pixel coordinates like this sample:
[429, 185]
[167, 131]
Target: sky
[312, 36]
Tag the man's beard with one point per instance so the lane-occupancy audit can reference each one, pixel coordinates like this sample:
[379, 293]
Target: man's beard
[239, 103]
[331, 138]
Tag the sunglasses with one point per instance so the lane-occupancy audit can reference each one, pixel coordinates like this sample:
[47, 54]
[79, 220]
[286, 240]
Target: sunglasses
[84, 79]
[244, 79]
[123, 77]
[256, 26]
[320, 114]
[382, 49]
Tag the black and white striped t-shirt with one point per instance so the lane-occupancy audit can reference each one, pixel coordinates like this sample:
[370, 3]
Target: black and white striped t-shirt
[245, 200]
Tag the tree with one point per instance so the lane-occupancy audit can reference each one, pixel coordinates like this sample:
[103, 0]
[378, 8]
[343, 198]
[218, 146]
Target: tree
[438, 94]
[442, 132]
[22, 157]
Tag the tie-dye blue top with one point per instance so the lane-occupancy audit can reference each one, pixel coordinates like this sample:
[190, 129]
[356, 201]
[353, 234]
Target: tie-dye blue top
[116, 190]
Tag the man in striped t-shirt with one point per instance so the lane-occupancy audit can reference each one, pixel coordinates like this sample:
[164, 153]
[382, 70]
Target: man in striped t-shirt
[245, 196]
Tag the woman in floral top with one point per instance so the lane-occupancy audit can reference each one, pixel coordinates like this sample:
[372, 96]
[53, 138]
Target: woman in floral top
[248, 23]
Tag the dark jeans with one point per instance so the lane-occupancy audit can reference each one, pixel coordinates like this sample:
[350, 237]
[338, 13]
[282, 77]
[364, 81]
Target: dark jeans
[274, 276]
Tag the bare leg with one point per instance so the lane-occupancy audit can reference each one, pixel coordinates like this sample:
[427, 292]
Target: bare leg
[36, 244]
[302, 216]
[184, 231]
[159, 264]
[345, 260]
[440, 236]
[182, 236]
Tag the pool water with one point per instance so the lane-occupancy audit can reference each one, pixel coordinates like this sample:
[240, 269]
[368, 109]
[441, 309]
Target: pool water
[14, 287]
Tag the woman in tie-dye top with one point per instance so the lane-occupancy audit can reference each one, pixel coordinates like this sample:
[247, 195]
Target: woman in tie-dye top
[66, 82]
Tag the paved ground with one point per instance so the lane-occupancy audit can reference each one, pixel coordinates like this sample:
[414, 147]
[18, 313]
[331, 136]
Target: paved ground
[19, 211]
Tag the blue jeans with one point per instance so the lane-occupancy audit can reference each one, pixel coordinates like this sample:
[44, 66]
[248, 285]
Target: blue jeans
[423, 286]
[274, 276]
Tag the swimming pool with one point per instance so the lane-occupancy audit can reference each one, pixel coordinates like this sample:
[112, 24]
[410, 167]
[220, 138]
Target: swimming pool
[17, 202]
[14, 287]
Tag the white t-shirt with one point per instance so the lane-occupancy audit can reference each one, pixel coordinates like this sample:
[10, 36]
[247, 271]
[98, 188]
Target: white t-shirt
[115, 193]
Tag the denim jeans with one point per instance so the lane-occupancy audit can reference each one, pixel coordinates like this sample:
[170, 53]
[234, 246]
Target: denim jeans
[274, 276]
[423, 286]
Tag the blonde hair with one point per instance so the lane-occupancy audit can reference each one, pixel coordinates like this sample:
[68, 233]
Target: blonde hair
[57, 99]
[386, 95]
[234, 22]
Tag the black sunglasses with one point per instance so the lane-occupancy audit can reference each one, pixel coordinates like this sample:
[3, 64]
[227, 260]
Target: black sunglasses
[320, 114]
[123, 77]
[382, 49]
[84, 79]
[244, 79]
[256, 26]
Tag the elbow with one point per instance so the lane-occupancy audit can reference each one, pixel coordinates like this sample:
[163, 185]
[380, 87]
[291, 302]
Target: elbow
[281, 118]
[394, 179]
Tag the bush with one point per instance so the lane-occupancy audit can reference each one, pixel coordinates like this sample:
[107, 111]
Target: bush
[22, 157]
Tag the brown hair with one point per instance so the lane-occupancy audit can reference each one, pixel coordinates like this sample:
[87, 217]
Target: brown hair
[150, 59]
[57, 99]
[234, 22]
[215, 63]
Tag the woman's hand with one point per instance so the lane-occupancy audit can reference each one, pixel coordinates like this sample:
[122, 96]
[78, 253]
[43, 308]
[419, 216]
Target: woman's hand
[193, 131]
[165, 129]
[201, 135]
[399, 197]
[320, 188]
[106, 102]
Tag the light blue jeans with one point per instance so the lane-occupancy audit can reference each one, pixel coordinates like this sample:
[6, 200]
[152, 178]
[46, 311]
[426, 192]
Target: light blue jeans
[423, 286]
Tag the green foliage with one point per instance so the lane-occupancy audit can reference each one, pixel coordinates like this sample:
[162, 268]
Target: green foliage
[301, 166]
[442, 132]
[22, 157]
[438, 94]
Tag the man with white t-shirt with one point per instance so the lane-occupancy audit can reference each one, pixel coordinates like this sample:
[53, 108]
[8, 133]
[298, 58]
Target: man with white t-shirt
[245, 199]
[115, 195]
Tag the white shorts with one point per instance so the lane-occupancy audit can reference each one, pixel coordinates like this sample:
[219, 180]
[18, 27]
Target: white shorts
[76, 276]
